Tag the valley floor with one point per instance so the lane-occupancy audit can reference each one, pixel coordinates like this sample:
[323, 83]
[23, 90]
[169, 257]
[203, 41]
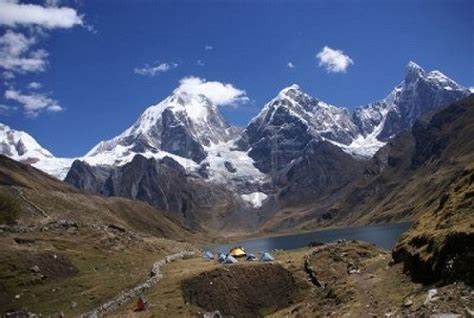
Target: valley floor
[350, 279]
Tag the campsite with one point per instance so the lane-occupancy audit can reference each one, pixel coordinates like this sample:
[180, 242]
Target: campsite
[332, 279]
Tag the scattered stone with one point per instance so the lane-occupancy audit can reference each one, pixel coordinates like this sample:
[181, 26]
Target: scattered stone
[470, 312]
[431, 296]
[35, 269]
[17, 296]
[315, 244]
[20, 314]
[117, 228]
[73, 304]
[213, 314]
[408, 303]
[19, 240]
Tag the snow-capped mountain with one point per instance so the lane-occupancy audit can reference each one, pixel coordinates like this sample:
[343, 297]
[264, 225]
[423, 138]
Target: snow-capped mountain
[190, 130]
[20, 146]
[289, 121]
[286, 124]
[180, 124]
[418, 93]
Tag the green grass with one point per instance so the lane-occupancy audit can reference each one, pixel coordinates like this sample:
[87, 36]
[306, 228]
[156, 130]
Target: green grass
[9, 208]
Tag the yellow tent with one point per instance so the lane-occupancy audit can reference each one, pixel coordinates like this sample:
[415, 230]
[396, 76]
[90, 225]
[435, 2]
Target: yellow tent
[238, 252]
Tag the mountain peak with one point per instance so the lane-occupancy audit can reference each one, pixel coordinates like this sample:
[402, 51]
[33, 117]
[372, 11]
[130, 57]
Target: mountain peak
[414, 66]
[414, 70]
[290, 89]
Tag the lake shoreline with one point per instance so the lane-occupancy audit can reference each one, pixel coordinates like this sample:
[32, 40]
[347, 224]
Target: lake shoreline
[326, 235]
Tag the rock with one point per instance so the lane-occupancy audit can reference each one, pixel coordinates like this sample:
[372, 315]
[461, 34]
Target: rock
[17, 296]
[408, 303]
[35, 269]
[20, 314]
[73, 304]
[445, 315]
[431, 296]
[212, 314]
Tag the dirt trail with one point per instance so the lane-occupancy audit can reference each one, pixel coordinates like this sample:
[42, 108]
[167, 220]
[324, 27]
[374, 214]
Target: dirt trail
[127, 295]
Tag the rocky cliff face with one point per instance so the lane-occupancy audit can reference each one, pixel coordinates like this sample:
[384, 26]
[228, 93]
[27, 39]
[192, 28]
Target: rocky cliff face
[162, 183]
[322, 171]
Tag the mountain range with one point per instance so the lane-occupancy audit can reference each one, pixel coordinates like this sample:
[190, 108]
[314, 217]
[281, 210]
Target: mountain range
[183, 157]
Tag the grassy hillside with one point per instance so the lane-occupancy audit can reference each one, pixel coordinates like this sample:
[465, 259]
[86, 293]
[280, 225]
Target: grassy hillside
[67, 251]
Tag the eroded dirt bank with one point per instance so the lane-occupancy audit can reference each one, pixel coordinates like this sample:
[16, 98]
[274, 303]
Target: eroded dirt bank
[249, 291]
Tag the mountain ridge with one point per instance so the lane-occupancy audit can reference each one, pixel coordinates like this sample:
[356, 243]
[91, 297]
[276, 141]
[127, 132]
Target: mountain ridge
[257, 166]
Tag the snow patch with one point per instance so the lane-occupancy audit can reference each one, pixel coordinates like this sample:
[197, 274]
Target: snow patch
[255, 199]
[220, 153]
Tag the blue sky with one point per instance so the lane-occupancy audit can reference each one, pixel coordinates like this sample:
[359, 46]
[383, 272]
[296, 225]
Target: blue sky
[95, 93]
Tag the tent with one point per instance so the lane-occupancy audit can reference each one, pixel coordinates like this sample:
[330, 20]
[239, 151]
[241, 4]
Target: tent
[142, 304]
[237, 252]
[230, 260]
[266, 257]
[221, 257]
[251, 257]
[208, 255]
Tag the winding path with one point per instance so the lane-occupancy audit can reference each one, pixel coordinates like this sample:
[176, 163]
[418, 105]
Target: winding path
[126, 295]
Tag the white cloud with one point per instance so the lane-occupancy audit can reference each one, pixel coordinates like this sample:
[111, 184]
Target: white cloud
[16, 53]
[290, 65]
[33, 103]
[200, 63]
[208, 48]
[154, 70]
[218, 93]
[7, 75]
[13, 13]
[34, 85]
[334, 61]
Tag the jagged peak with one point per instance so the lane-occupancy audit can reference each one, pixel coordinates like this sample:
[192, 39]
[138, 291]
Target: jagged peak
[291, 88]
[412, 66]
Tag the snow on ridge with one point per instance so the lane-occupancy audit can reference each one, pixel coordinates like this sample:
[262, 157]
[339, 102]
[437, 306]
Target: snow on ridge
[365, 146]
[122, 155]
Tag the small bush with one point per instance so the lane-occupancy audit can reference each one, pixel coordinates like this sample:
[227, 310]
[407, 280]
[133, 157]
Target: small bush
[9, 208]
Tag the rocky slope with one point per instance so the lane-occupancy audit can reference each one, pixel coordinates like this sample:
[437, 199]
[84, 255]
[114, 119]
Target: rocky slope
[163, 184]
[404, 180]
[42, 198]
[440, 246]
